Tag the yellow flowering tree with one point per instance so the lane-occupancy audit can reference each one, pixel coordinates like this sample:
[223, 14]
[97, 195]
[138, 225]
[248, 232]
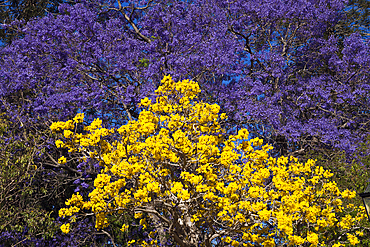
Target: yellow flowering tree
[187, 182]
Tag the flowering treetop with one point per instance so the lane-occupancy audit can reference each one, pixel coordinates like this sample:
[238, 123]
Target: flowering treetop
[176, 171]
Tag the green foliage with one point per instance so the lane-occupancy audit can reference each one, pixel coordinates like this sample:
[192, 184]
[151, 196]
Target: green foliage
[144, 63]
[353, 176]
[20, 191]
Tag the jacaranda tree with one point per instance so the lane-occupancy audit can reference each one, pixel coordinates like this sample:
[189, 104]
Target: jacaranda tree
[275, 67]
[271, 65]
[189, 184]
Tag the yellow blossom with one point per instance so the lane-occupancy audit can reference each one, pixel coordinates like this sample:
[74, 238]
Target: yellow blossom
[175, 166]
[352, 239]
[62, 160]
[65, 228]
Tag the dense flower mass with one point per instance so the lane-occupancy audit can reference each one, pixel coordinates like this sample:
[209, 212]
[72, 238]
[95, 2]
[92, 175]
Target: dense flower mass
[186, 181]
[280, 68]
[284, 66]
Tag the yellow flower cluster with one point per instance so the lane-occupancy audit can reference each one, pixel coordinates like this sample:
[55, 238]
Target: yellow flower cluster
[175, 164]
[78, 141]
[65, 228]
[62, 160]
[59, 126]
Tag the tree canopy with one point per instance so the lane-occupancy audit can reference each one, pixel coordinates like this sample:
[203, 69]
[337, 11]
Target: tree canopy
[176, 171]
[271, 66]
[293, 73]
